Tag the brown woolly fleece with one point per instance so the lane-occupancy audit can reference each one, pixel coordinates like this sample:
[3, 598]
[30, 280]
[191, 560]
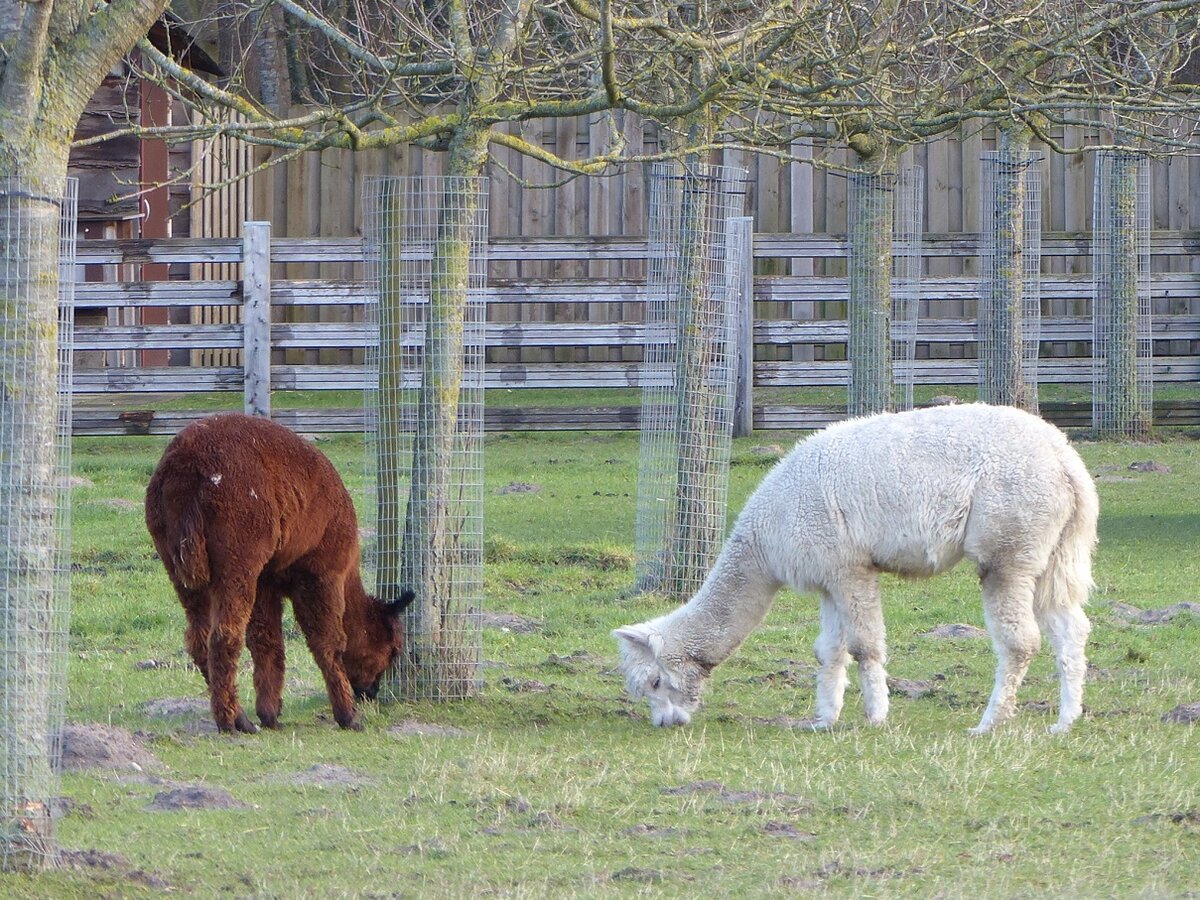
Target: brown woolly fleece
[244, 513]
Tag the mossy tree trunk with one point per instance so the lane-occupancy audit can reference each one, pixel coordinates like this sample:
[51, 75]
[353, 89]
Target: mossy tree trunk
[1126, 411]
[440, 656]
[1001, 320]
[869, 311]
[702, 469]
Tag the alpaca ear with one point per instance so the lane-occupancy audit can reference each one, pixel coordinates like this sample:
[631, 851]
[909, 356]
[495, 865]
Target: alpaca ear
[407, 596]
[642, 636]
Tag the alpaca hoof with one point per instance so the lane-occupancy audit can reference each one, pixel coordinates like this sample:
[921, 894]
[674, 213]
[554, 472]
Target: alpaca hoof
[981, 728]
[1060, 728]
[243, 724]
[271, 722]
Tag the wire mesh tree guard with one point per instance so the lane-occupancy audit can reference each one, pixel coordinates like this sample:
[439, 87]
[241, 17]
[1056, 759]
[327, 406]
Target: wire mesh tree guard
[37, 243]
[426, 253]
[689, 369]
[884, 258]
[1122, 349]
[1010, 302]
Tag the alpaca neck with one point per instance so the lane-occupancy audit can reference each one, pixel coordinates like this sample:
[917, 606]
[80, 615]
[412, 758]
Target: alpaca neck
[731, 603]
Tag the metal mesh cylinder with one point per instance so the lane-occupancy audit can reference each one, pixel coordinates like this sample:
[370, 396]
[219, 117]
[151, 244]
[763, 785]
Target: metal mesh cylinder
[37, 243]
[1010, 304]
[689, 373]
[884, 243]
[1122, 350]
[426, 249]
[907, 249]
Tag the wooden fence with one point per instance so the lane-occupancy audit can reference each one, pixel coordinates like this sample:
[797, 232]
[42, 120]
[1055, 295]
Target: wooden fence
[797, 339]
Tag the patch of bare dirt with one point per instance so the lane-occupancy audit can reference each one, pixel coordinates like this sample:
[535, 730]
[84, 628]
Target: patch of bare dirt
[510, 622]
[1186, 817]
[115, 863]
[571, 662]
[1154, 616]
[413, 728]
[633, 873]
[788, 830]
[519, 487]
[725, 795]
[1149, 465]
[1184, 714]
[95, 746]
[524, 686]
[326, 775]
[645, 829]
[195, 712]
[955, 631]
[194, 796]
[914, 689]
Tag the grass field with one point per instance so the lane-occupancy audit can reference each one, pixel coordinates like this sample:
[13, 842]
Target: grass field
[551, 783]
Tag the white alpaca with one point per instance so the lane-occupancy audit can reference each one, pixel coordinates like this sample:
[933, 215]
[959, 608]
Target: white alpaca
[909, 493]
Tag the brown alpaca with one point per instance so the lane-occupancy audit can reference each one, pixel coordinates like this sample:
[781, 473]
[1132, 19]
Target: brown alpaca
[244, 513]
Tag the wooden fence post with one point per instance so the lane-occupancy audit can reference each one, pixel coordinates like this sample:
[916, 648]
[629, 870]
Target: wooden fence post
[256, 317]
[742, 237]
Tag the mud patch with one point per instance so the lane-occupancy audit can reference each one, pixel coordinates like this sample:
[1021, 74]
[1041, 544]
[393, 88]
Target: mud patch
[94, 746]
[325, 775]
[1184, 714]
[1149, 465]
[571, 662]
[720, 792]
[511, 622]
[194, 796]
[645, 829]
[519, 487]
[787, 830]
[633, 873]
[955, 631]
[413, 728]
[1189, 817]
[99, 860]
[1154, 616]
[524, 686]
[914, 689]
[195, 713]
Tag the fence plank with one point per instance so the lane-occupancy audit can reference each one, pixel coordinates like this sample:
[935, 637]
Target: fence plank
[256, 319]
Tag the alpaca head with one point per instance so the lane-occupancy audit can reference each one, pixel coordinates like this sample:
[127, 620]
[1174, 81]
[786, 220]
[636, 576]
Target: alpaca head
[367, 658]
[669, 679]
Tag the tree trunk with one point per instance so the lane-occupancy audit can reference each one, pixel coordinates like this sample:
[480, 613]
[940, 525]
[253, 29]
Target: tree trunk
[870, 301]
[1002, 376]
[1126, 410]
[31, 611]
[702, 468]
[441, 652]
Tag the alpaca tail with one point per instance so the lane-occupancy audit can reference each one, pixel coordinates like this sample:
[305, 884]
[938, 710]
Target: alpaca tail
[1068, 578]
[191, 548]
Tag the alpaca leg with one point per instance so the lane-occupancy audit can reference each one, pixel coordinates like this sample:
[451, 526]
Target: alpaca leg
[862, 613]
[264, 637]
[319, 606]
[1068, 632]
[1008, 612]
[196, 607]
[232, 605]
[833, 658]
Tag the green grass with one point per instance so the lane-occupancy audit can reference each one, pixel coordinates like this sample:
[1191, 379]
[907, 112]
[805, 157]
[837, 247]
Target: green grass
[568, 791]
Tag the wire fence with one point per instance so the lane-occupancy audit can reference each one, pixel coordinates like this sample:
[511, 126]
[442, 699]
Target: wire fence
[1122, 349]
[885, 212]
[426, 254]
[907, 251]
[1010, 301]
[37, 244]
[690, 373]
